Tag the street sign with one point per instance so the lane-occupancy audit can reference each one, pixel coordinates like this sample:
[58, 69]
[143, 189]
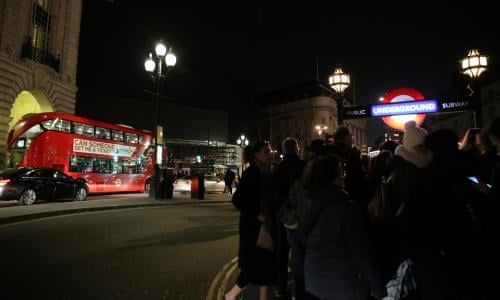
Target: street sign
[356, 112]
[456, 105]
[404, 108]
[404, 104]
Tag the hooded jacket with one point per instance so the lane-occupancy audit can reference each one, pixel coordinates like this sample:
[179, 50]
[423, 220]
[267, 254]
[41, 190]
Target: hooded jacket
[339, 264]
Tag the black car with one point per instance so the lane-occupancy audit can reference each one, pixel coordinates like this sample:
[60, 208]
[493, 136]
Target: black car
[30, 184]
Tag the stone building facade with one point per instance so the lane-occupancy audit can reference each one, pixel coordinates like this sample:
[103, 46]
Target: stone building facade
[296, 112]
[38, 59]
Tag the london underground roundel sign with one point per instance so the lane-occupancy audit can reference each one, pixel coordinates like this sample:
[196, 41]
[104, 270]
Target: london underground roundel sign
[402, 95]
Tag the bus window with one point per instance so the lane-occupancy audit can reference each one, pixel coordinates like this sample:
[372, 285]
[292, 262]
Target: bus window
[129, 167]
[102, 133]
[16, 152]
[83, 129]
[80, 164]
[117, 135]
[13, 157]
[142, 163]
[117, 166]
[131, 138]
[102, 165]
[57, 125]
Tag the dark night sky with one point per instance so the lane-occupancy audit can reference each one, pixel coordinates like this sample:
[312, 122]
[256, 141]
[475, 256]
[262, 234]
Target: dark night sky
[228, 53]
[412, 45]
[215, 59]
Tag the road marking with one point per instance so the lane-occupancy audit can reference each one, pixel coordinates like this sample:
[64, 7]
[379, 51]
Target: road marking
[222, 288]
[211, 291]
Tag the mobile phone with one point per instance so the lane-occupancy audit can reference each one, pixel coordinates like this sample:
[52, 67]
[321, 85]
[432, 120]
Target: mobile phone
[473, 179]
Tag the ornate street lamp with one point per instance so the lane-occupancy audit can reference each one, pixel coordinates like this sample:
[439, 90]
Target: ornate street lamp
[321, 129]
[242, 141]
[157, 67]
[473, 65]
[339, 81]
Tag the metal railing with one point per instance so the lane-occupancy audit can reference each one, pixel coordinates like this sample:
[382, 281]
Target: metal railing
[40, 56]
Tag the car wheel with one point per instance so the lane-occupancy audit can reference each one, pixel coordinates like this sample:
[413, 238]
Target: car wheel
[81, 194]
[28, 197]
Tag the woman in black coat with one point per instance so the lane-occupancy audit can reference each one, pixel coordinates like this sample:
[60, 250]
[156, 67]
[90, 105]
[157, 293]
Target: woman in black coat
[251, 199]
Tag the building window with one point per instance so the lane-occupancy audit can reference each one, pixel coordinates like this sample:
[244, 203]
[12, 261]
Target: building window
[41, 24]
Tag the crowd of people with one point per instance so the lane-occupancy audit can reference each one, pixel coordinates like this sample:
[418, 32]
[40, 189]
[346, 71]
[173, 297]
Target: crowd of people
[418, 221]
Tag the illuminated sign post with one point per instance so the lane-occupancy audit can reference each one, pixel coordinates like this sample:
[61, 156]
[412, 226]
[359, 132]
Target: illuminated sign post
[397, 119]
[405, 108]
[405, 104]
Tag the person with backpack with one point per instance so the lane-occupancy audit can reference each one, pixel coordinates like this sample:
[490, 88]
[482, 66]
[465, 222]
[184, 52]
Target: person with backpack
[392, 238]
[443, 229]
[338, 260]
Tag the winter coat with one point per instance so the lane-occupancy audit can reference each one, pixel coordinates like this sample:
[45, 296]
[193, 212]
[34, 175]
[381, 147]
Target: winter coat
[356, 181]
[338, 263]
[285, 174]
[405, 186]
[251, 199]
[229, 177]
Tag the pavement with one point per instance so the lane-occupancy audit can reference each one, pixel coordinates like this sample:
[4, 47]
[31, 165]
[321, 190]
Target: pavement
[11, 212]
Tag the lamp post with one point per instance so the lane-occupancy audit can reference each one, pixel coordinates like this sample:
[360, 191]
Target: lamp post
[473, 65]
[273, 152]
[157, 67]
[321, 129]
[339, 81]
[242, 141]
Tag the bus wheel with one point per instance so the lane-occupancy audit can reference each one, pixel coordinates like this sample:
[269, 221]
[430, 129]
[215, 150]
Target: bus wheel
[28, 197]
[147, 186]
[81, 194]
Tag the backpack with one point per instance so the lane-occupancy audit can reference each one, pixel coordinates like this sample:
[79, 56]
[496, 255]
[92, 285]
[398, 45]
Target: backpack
[382, 207]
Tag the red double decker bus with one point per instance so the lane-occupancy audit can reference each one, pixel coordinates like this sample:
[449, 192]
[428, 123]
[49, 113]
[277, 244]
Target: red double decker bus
[109, 158]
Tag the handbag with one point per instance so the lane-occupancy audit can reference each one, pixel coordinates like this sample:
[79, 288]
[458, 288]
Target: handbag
[381, 208]
[264, 240]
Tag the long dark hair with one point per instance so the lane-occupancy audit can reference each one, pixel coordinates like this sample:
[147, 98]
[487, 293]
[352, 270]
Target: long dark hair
[250, 150]
[486, 146]
[469, 141]
[321, 172]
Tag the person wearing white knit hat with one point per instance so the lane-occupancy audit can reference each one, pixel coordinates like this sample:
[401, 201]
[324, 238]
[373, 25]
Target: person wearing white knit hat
[414, 135]
[405, 183]
[412, 149]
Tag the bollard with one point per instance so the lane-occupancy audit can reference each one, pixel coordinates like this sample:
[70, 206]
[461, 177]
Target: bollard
[197, 186]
